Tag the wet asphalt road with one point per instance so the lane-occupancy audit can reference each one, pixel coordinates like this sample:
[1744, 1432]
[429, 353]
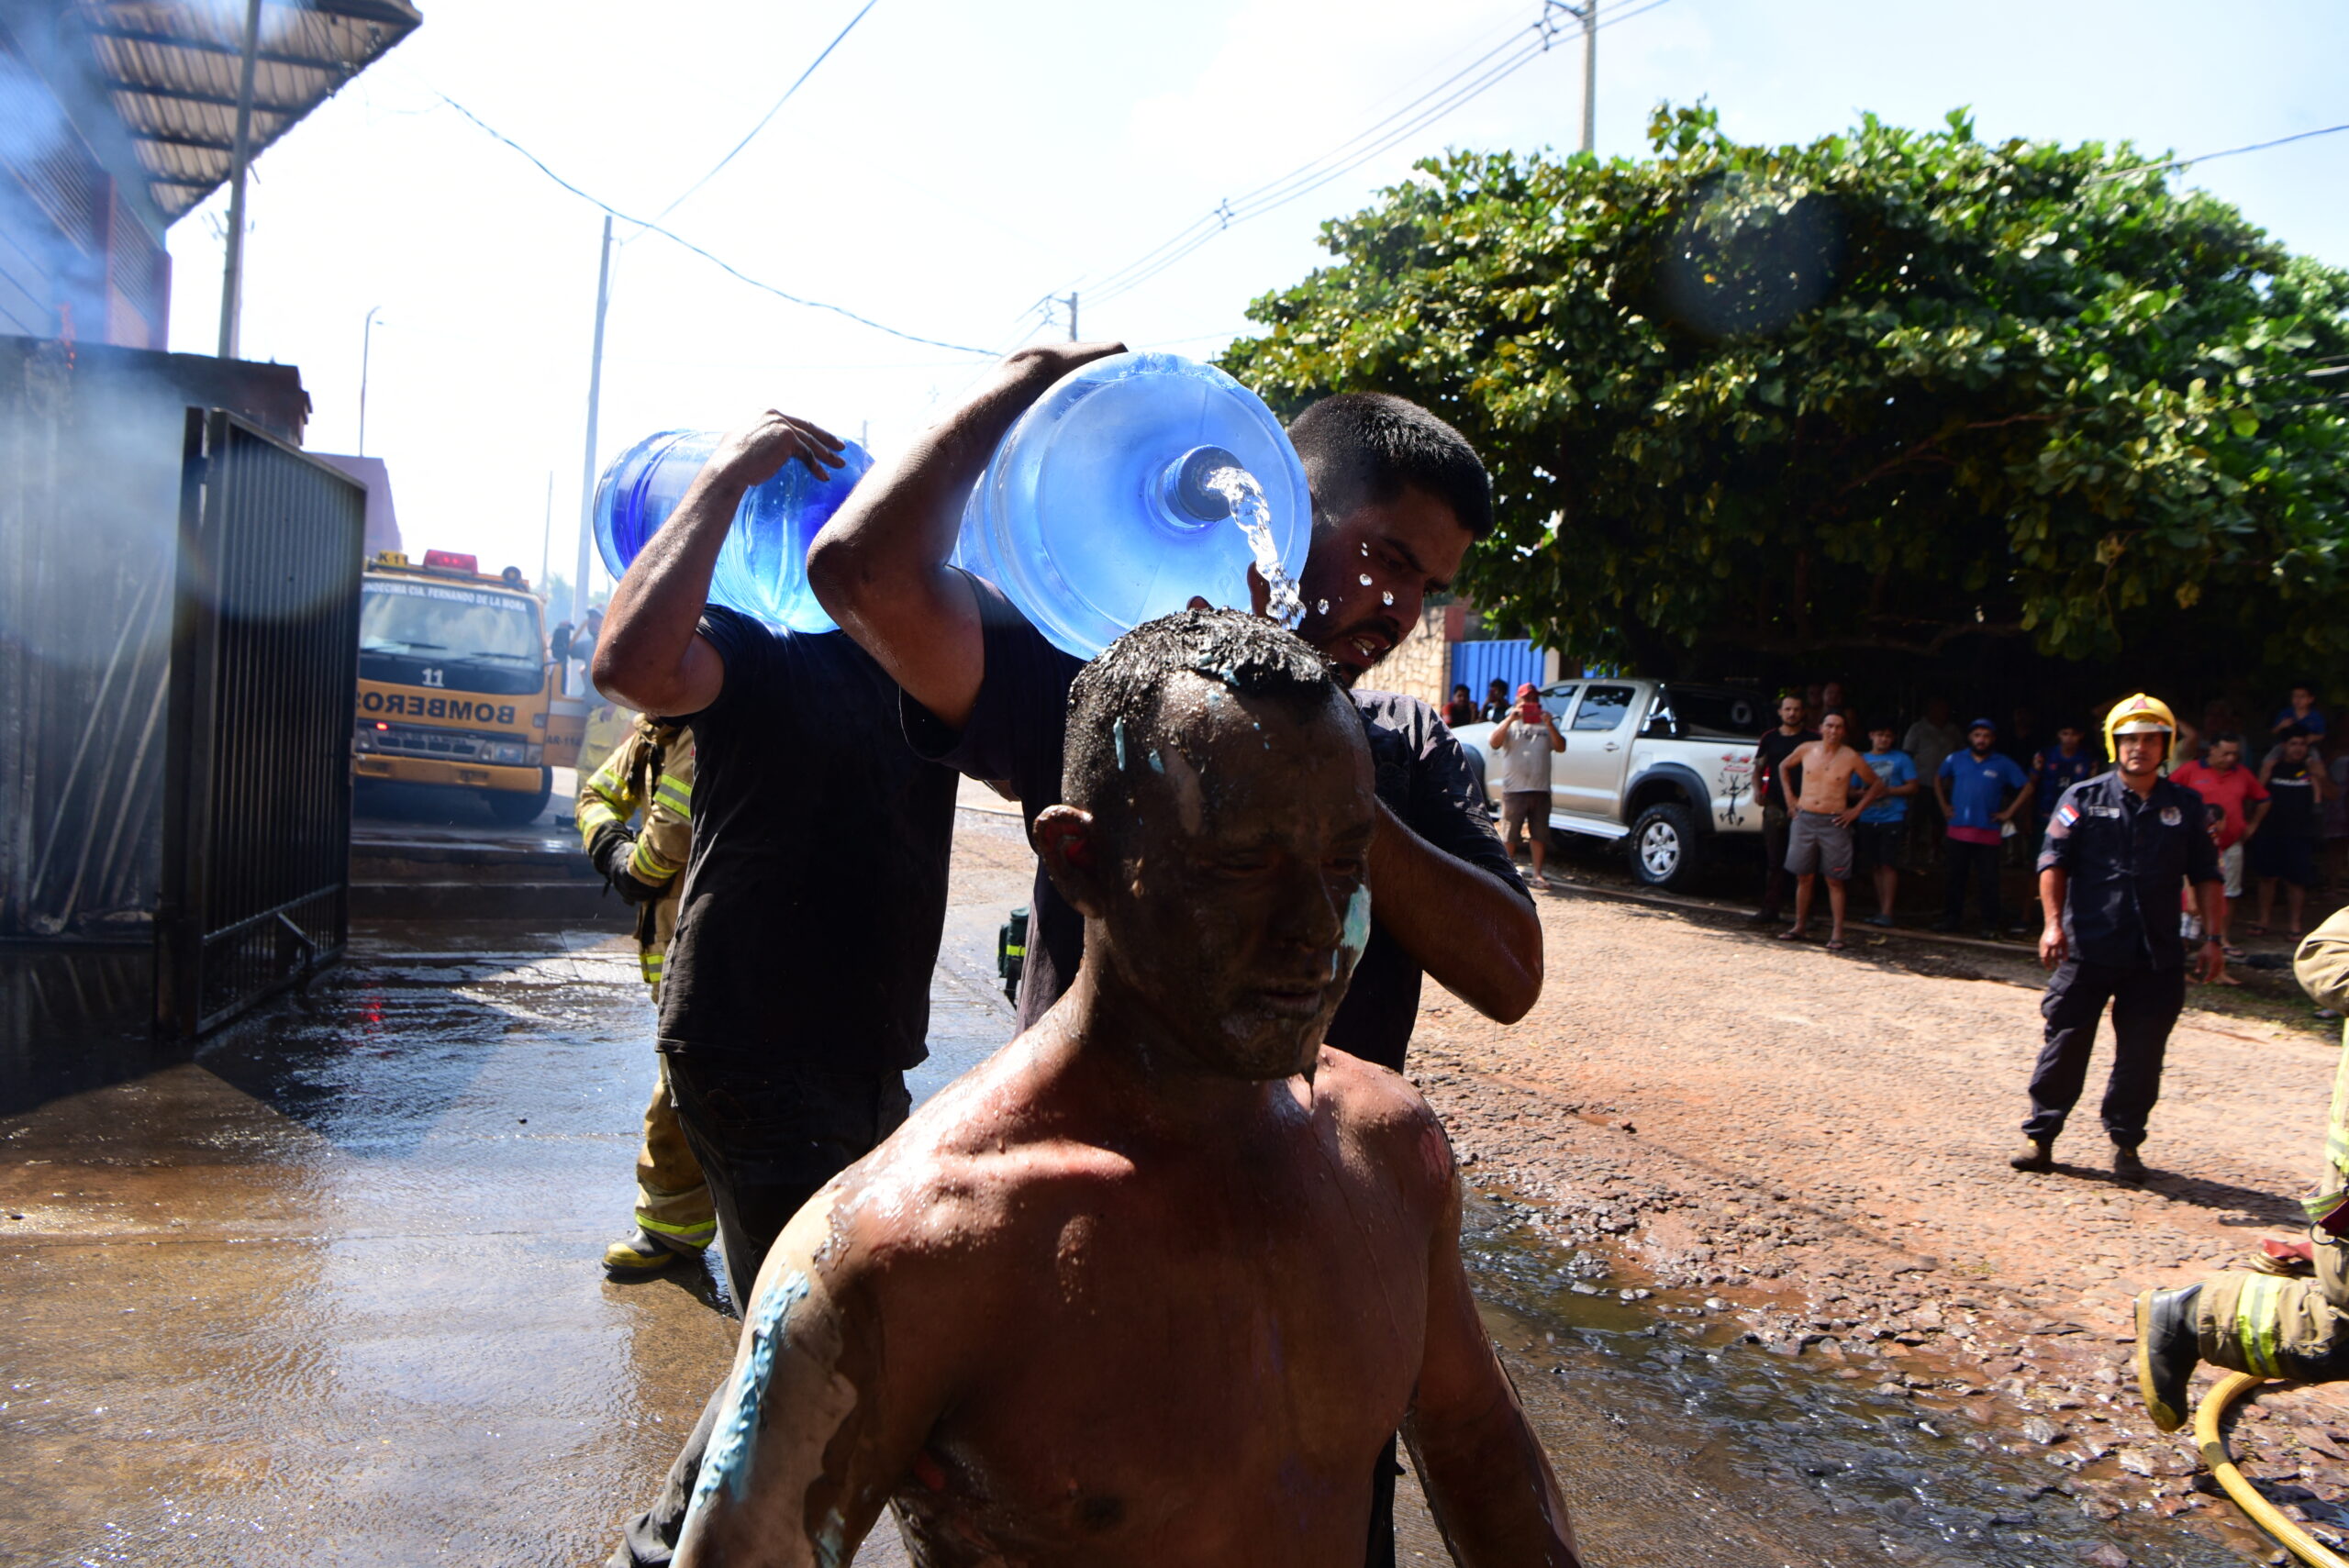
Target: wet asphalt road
[329, 1293]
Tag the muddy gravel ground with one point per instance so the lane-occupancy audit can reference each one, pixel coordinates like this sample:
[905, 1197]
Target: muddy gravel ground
[1817, 1144]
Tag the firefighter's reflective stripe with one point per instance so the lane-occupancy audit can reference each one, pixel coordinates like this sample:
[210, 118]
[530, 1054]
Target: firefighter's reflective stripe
[648, 865]
[676, 793]
[2255, 1324]
[700, 1235]
[593, 815]
[650, 958]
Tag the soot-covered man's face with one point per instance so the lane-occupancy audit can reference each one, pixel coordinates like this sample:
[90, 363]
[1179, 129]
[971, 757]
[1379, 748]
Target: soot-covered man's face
[1240, 904]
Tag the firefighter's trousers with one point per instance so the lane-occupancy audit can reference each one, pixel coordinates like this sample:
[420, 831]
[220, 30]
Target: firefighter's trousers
[671, 1198]
[2279, 1328]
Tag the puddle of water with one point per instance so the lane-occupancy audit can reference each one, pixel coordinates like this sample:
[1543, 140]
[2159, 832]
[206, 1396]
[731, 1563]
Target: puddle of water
[1745, 1445]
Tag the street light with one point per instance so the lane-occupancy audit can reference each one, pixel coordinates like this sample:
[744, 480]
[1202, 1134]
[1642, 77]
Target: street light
[366, 342]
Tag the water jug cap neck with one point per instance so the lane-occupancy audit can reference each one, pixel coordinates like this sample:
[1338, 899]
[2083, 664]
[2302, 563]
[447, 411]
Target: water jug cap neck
[1188, 495]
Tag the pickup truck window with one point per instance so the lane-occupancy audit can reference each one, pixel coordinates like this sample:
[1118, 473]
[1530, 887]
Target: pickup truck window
[1603, 708]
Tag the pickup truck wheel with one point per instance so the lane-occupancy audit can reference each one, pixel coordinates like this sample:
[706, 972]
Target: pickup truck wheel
[1664, 847]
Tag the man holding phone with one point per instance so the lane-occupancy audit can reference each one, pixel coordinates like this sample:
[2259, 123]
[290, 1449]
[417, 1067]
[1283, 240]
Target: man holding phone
[1527, 738]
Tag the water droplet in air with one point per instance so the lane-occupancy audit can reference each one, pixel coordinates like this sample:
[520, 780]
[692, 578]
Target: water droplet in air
[1365, 581]
[1365, 550]
[1386, 598]
[1322, 607]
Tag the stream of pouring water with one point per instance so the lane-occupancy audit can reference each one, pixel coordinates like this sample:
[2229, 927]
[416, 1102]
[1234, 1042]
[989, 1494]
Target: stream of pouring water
[1254, 516]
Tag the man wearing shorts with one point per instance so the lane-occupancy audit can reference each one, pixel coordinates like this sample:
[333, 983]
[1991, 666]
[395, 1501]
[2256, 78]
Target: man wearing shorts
[1819, 839]
[2236, 803]
[1527, 739]
[1878, 834]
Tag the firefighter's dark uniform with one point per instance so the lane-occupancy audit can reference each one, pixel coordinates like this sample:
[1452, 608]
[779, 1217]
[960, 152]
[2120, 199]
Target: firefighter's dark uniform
[2128, 859]
[652, 771]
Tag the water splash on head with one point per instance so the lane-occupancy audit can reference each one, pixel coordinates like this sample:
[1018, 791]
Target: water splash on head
[1254, 516]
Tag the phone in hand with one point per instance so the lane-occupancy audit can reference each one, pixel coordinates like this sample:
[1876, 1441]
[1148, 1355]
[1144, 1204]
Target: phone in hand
[1529, 711]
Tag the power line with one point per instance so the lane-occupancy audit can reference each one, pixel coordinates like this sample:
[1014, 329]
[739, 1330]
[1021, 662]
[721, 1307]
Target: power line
[1523, 46]
[717, 260]
[2206, 157]
[763, 119]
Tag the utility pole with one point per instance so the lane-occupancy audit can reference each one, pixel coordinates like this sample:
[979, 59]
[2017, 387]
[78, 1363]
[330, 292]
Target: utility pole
[1072, 316]
[232, 274]
[366, 344]
[1589, 73]
[588, 463]
[546, 540]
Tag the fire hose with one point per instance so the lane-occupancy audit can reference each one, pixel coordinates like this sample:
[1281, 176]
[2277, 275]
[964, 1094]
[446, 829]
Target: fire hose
[2263, 1514]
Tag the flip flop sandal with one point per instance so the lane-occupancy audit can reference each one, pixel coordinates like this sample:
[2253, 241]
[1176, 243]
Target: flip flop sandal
[1834, 944]
[1792, 935]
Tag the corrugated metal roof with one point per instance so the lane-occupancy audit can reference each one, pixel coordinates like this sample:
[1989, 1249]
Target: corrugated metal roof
[171, 68]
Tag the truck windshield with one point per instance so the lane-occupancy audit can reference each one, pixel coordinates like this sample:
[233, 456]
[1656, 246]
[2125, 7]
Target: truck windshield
[1703, 710]
[452, 622]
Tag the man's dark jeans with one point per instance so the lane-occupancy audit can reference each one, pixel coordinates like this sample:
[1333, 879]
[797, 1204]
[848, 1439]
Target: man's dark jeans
[768, 1134]
[2146, 1004]
[1776, 827]
[1978, 863]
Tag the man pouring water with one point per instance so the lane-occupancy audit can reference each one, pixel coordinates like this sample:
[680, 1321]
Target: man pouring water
[1397, 496]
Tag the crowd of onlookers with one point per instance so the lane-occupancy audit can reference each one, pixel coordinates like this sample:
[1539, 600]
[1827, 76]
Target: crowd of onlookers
[1975, 799]
[1971, 801]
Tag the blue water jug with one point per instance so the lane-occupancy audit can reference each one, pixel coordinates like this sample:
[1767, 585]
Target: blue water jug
[763, 566]
[1135, 483]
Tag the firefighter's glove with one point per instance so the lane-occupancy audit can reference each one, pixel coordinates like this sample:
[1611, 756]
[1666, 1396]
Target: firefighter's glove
[610, 852]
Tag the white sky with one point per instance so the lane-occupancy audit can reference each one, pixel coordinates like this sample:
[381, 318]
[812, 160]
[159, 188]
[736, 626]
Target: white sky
[953, 162]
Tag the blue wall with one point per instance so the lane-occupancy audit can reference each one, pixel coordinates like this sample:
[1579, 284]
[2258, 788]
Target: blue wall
[1475, 664]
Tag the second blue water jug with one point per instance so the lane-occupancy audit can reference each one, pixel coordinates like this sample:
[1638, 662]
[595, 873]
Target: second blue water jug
[763, 566]
[1102, 509]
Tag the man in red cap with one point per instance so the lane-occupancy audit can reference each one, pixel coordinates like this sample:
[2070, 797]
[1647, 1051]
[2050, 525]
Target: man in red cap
[1526, 739]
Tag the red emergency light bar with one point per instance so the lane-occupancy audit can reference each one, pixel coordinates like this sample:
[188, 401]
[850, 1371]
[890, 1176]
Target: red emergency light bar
[450, 560]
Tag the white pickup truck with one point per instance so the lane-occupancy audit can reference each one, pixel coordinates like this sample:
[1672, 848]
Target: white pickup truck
[1662, 766]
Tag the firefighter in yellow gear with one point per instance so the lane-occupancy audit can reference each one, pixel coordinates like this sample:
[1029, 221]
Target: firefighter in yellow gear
[651, 772]
[2296, 1329]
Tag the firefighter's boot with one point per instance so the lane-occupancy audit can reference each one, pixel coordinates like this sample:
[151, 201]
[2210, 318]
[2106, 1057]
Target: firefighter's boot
[641, 1254]
[2168, 1353]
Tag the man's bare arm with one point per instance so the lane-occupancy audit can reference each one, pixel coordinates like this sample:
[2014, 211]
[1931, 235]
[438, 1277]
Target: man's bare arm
[1487, 1481]
[880, 566]
[1473, 932]
[651, 656]
[815, 1432]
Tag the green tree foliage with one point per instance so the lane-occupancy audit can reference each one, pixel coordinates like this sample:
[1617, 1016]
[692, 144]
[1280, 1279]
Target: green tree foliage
[1885, 391]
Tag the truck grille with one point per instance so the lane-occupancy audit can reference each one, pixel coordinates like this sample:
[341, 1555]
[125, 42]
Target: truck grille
[444, 745]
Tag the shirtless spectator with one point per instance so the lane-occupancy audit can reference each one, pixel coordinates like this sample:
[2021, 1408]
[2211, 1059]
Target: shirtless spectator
[1154, 1283]
[1819, 778]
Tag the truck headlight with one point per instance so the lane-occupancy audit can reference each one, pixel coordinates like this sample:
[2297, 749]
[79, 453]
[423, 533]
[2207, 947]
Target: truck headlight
[505, 751]
[362, 738]
[532, 756]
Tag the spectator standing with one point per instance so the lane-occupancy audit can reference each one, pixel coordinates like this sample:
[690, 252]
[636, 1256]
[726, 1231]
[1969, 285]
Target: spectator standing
[1819, 778]
[1496, 706]
[2234, 803]
[1883, 824]
[2295, 780]
[2058, 769]
[2300, 711]
[2023, 736]
[1461, 709]
[1831, 700]
[1772, 750]
[1527, 739]
[1979, 791]
[1929, 741]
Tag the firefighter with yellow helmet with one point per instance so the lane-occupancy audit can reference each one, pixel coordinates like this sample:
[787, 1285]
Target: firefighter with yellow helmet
[2120, 849]
[652, 771]
[2276, 1327]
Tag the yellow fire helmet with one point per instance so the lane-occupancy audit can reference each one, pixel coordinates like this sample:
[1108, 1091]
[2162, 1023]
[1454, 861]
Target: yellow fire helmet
[2140, 715]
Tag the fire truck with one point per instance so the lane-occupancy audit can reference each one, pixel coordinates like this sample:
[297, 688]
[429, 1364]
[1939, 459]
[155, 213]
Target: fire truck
[456, 689]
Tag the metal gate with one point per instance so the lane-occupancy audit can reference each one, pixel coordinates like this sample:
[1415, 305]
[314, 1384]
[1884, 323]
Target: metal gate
[256, 872]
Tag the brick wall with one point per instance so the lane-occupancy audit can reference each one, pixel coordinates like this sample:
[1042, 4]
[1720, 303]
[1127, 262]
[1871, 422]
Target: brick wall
[1419, 667]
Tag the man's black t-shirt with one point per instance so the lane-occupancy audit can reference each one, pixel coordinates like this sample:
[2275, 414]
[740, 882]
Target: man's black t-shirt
[1769, 753]
[809, 921]
[2291, 794]
[1015, 735]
